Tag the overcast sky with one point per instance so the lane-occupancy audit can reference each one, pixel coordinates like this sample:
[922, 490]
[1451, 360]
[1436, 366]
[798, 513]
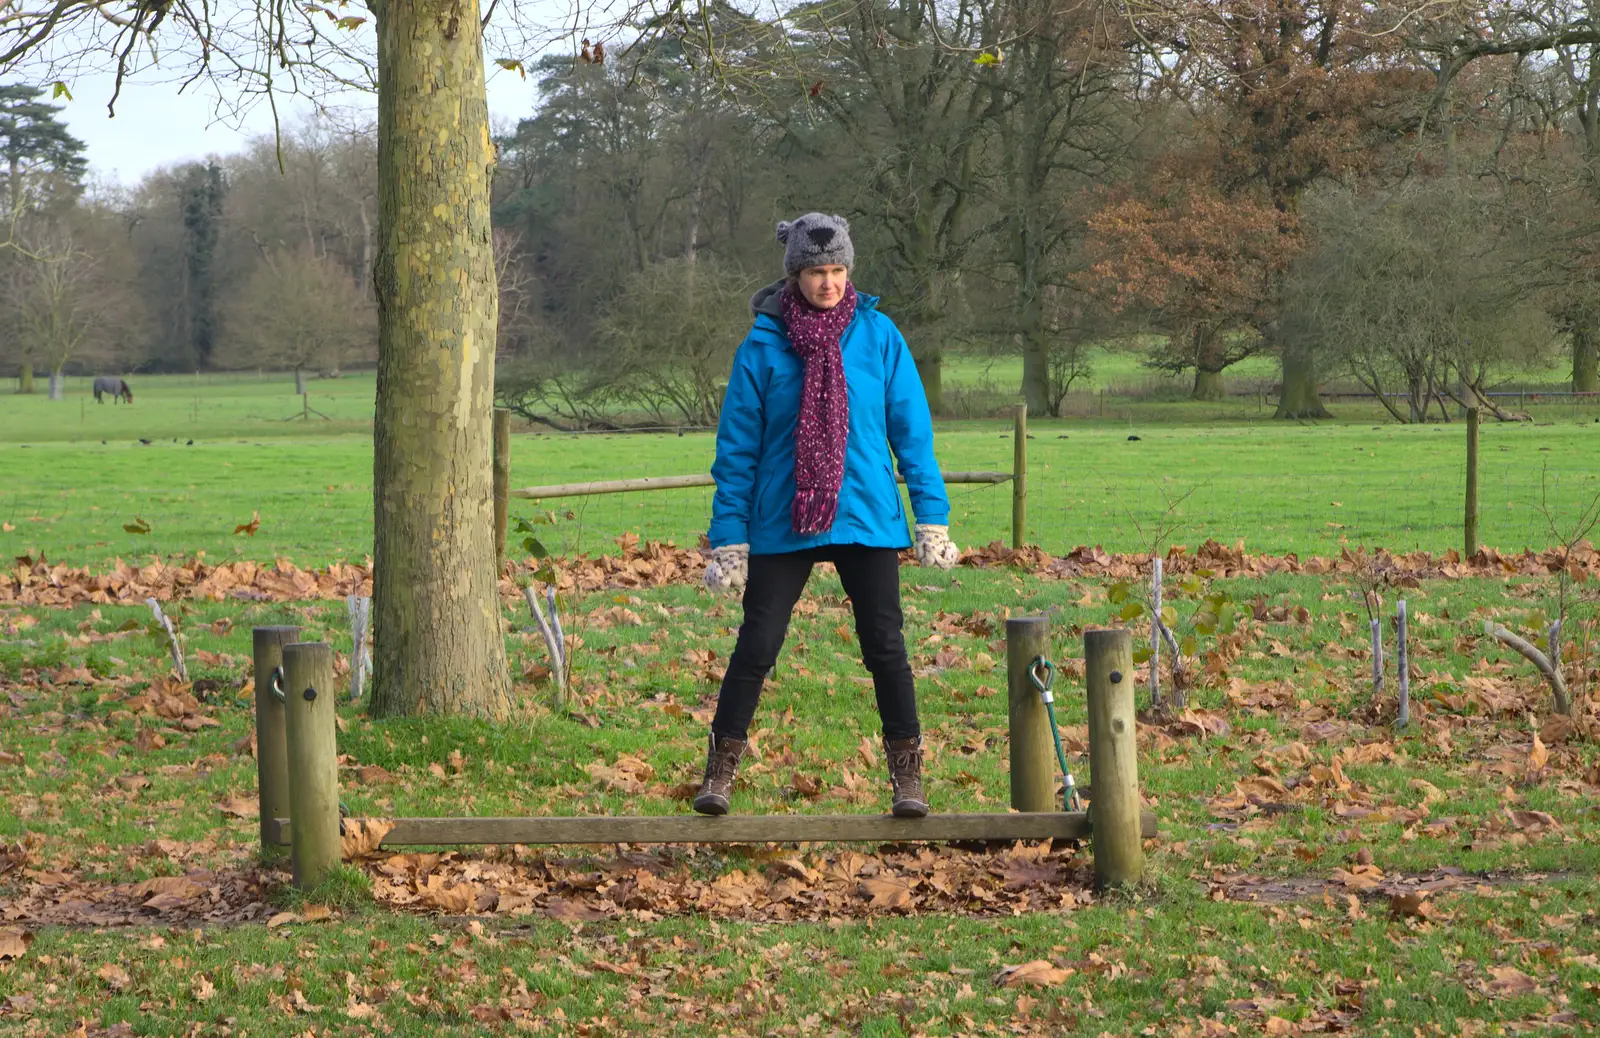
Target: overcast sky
[157, 126]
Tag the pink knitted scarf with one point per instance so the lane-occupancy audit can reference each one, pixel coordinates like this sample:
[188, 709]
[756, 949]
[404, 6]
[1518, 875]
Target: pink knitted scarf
[824, 423]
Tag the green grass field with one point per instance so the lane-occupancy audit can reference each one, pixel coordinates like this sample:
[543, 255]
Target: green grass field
[1286, 893]
[1254, 920]
[72, 481]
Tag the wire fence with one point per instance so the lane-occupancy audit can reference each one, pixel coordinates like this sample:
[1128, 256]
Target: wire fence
[1275, 493]
[1402, 512]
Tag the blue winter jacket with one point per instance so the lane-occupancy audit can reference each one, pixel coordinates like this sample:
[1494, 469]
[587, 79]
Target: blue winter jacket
[754, 469]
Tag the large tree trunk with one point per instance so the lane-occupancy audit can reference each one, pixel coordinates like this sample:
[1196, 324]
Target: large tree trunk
[25, 378]
[1299, 397]
[1208, 385]
[1036, 371]
[58, 385]
[436, 608]
[1586, 357]
[1208, 365]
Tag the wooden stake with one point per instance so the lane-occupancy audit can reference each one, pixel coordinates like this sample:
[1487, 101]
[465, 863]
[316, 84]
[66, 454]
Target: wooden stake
[502, 477]
[1113, 758]
[1471, 523]
[1033, 756]
[309, 701]
[1019, 478]
[272, 754]
[1402, 661]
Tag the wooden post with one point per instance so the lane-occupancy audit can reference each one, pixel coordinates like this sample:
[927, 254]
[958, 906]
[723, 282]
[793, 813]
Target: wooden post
[1113, 758]
[1472, 483]
[1019, 478]
[309, 700]
[502, 477]
[272, 760]
[1033, 757]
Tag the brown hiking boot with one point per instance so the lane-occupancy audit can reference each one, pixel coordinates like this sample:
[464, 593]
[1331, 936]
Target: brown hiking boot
[905, 774]
[722, 761]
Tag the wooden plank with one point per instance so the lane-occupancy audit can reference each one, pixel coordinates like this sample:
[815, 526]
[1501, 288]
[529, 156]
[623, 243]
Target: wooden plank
[624, 486]
[740, 829]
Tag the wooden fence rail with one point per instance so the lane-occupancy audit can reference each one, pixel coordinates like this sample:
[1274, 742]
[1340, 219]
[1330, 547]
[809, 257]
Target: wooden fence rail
[503, 491]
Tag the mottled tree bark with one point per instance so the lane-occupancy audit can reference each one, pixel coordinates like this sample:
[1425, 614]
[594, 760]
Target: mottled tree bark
[25, 378]
[436, 611]
[1299, 397]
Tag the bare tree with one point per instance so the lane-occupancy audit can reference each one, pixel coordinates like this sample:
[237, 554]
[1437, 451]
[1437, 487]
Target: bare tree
[60, 306]
[299, 310]
[1411, 288]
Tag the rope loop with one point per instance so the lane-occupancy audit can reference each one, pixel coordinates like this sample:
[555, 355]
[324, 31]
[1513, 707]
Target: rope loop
[1042, 673]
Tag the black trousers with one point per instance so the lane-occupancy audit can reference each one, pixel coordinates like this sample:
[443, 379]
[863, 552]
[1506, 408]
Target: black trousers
[871, 577]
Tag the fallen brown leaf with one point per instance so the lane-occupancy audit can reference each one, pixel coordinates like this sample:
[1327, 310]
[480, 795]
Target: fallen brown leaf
[1411, 906]
[1039, 973]
[115, 976]
[239, 807]
[362, 836]
[1508, 981]
[14, 943]
[887, 892]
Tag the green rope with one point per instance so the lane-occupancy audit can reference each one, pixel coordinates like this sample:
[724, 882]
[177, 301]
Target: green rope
[1039, 666]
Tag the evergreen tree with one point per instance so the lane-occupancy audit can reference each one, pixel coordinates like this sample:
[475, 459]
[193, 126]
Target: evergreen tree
[39, 151]
[39, 155]
[202, 192]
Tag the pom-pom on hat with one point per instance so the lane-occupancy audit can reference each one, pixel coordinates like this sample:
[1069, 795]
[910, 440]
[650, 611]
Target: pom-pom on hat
[815, 240]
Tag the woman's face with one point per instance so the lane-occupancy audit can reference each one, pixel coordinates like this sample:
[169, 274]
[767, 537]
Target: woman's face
[823, 287]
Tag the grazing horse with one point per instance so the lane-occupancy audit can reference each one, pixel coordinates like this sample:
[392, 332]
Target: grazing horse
[115, 386]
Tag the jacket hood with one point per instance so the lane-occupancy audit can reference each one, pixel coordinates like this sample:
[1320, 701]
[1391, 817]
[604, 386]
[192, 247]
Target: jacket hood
[769, 301]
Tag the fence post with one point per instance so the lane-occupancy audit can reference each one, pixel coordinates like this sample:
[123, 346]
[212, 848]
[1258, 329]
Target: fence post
[1471, 533]
[502, 477]
[272, 761]
[1033, 762]
[1113, 758]
[309, 701]
[1019, 477]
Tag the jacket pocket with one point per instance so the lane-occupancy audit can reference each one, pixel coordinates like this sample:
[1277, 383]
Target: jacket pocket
[897, 511]
[766, 508]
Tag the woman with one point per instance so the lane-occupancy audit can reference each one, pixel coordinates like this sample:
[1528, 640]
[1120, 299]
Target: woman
[821, 389]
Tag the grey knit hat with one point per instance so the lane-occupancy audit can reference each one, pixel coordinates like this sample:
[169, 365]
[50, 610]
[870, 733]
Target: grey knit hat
[815, 240]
